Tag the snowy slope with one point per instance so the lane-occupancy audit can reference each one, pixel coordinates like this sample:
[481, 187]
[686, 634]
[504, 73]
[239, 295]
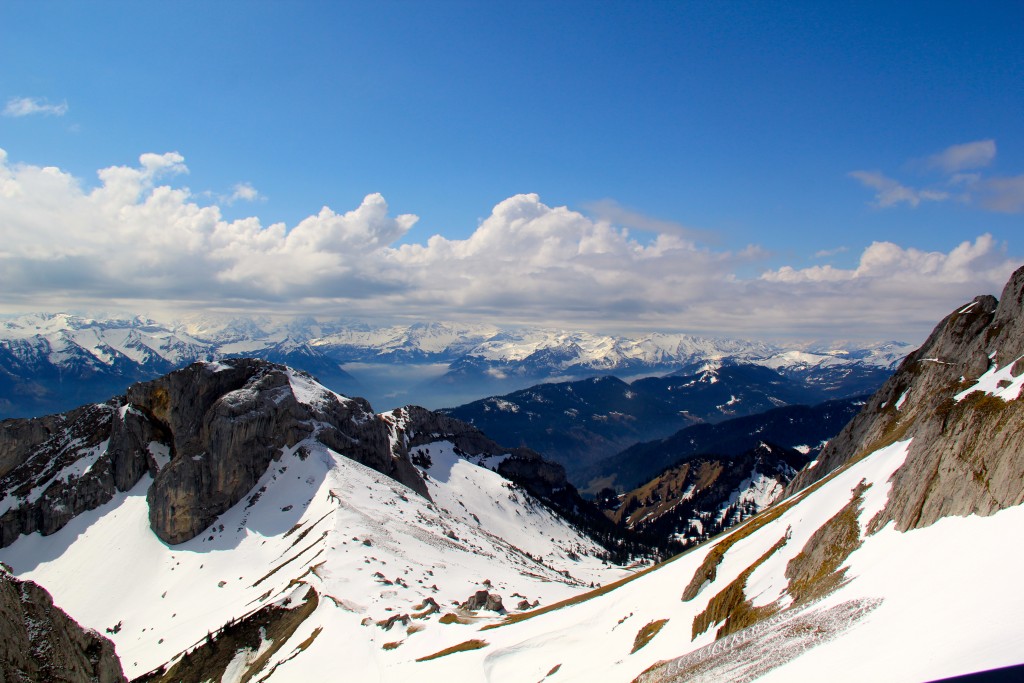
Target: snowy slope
[370, 547]
[926, 604]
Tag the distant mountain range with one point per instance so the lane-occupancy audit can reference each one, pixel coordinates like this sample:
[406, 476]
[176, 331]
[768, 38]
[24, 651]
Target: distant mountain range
[583, 423]
[53, 362]
[797, 427]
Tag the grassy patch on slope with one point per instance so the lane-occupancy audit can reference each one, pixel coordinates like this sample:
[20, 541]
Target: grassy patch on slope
[474, 644]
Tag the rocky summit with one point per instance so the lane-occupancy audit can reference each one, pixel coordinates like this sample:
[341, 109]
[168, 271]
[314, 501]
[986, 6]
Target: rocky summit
[205, 434]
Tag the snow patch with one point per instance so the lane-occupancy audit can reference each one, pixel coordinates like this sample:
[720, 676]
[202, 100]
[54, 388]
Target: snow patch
[998, 382]
[901, 399]
[161, 454]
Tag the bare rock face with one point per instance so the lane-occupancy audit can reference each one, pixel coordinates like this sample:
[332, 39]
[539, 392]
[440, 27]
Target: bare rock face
[966, 457]
[229, 421]
[57, 469]
[205, 434]
[39, 642]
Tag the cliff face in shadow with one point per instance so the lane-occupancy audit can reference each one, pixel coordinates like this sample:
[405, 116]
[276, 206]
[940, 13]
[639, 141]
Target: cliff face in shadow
[39, 642]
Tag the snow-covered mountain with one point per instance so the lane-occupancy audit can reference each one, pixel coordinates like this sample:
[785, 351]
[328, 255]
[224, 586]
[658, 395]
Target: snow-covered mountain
[892, 557]
[699, 497]
[212, 496]
[582, 423]
[546, 354]
[50, 363]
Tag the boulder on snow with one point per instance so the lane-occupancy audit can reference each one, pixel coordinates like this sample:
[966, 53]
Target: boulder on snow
[483, 600]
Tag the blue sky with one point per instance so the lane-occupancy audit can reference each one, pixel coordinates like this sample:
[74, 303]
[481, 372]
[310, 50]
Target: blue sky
[774, 142]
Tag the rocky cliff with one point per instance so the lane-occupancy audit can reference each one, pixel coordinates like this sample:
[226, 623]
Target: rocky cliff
[954, 398]
[39, 642]
[205, 434]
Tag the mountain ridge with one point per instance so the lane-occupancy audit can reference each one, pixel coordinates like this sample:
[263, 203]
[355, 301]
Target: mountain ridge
[55, 362]
[229, 468]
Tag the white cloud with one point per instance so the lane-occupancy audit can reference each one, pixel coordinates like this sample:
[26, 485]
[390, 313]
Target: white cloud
[826, 253]
[133, 242]
[964, 157]
[893, 287]
[890, 192]
[244, 192]
[27, 106]
[992, 193]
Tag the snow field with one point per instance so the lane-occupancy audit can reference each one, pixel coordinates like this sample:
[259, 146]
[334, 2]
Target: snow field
[371, 548]
[940, 601]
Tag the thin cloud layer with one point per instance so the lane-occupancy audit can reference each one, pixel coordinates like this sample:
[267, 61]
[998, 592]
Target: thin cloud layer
[962, 180]
[139, 241]
[27, 106]
[889, 192]
[965, 157]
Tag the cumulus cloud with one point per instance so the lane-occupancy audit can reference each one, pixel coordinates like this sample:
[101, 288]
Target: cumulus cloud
[135, 240]
[27, 106]
[243, 192]
[895, 287]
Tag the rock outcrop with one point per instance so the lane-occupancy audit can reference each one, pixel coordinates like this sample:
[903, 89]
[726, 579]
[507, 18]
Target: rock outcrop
[967, 455]
[56, 468]
[540, 477]
[39, 642]
[205, 434]
[483, 600]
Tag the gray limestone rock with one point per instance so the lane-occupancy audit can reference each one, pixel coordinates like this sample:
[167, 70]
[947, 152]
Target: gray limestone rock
[206, 434]
[966, 457]
[219, 425]
[39, 642]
